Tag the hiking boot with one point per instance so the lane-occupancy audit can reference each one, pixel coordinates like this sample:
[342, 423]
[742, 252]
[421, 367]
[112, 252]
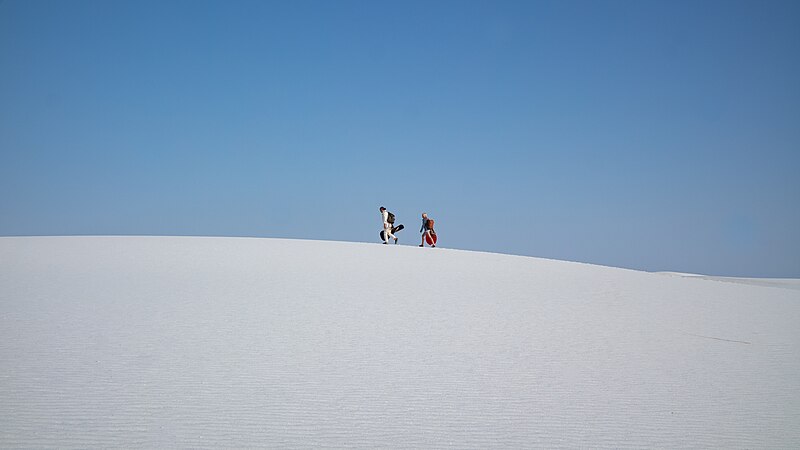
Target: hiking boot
[421, 245]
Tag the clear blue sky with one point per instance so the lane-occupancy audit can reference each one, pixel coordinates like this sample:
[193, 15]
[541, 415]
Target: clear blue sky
[656, 135]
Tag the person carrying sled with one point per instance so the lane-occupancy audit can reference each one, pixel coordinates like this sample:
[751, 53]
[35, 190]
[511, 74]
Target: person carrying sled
[388, 225]
[427, 230]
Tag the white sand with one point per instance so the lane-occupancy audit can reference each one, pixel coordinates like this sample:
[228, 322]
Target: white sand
[786, 283]
[142, 342]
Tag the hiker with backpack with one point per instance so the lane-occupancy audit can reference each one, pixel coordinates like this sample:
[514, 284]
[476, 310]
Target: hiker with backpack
[388, 226]
[428, 233]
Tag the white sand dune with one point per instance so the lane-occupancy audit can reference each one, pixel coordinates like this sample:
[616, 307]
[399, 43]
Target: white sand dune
[149, 342]
[786, 283]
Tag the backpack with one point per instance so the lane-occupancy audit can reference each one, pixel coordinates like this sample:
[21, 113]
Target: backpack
[430, 224]
[390, 218]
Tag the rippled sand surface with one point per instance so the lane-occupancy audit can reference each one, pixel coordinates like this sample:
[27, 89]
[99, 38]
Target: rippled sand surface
[148, 342]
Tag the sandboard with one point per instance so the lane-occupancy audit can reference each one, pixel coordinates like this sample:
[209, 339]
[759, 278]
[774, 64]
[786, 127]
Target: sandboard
[430, 238]
[394, 230]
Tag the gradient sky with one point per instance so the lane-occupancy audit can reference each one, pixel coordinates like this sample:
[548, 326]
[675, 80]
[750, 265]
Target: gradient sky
[655, 135]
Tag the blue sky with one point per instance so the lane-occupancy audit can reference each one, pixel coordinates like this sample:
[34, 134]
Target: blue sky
[655, 135]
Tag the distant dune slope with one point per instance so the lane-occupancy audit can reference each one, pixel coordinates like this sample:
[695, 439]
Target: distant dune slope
[151, 342]
[785, 283]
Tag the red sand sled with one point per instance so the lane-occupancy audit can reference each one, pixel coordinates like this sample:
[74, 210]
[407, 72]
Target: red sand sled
[430, 238]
